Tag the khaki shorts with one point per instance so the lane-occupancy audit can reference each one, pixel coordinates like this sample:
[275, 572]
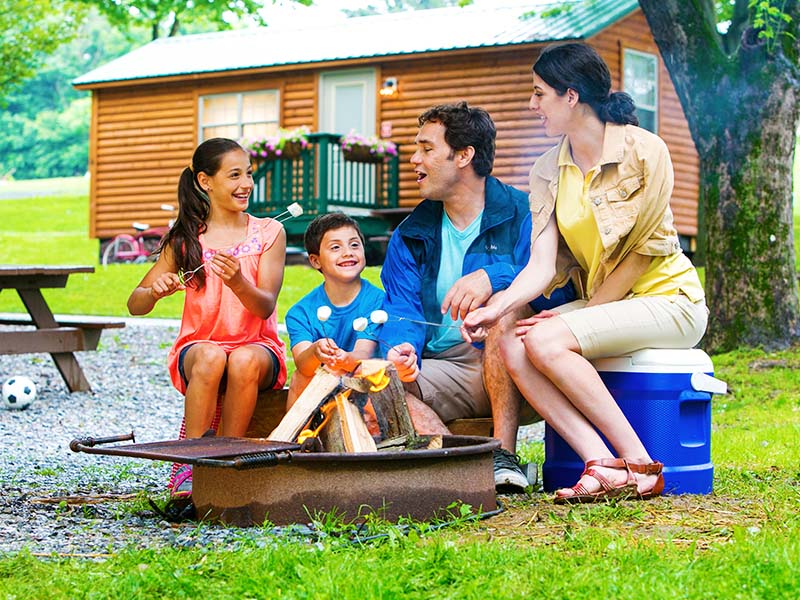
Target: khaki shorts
[615, 328]
[451, 383]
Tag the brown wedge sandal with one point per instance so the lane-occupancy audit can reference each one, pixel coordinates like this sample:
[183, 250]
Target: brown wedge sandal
[653, 468]
[607, 489]
[627, 489]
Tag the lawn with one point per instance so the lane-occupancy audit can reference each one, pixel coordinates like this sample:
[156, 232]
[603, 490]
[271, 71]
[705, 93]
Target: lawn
[742, 541]
[53, 230]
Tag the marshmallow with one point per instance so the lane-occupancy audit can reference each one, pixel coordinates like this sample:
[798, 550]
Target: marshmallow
[379, 316]
[323, 313]
[360, 324]
[295, 209]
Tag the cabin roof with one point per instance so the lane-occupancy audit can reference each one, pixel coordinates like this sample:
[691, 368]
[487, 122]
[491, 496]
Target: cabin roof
[405, 33]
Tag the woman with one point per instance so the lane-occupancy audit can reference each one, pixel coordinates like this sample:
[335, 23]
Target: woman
[600, 206]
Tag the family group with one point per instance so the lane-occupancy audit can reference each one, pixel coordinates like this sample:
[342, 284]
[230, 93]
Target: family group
[497, 300]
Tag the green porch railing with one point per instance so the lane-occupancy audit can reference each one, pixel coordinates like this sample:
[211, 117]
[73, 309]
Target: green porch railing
[321, 180]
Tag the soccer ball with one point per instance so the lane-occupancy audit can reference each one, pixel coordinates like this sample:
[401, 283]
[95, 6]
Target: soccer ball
[18, 392]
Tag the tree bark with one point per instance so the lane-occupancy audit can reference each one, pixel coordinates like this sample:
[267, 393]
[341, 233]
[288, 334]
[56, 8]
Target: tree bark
[743, 111]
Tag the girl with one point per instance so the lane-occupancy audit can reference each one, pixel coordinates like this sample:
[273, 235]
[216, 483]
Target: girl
[230, 265]
[600, 207]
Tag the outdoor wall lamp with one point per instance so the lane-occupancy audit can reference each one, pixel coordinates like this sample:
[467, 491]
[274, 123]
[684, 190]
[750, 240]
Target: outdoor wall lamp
[389, 87]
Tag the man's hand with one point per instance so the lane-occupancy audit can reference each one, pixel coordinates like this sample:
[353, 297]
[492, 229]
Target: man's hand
[475, 327]
[467, 294]
[404, 358]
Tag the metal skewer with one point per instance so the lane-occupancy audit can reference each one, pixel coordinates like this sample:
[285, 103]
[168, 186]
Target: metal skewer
[426, 323]
[293, 210]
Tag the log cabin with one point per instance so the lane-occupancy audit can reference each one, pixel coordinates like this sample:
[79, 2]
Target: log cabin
[373, 75]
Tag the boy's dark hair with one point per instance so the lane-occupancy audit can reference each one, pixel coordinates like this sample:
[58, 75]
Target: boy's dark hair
[466, 126]
[324, 223]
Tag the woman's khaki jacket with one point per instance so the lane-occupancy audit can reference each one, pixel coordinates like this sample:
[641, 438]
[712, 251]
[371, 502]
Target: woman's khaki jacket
[629, 199]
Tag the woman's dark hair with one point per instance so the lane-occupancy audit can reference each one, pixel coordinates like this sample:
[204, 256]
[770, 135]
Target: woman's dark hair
[193, 207]
[466, 126]
[579, 67]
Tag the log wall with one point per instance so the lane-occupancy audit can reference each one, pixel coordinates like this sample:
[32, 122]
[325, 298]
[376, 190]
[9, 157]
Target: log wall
[144, 135]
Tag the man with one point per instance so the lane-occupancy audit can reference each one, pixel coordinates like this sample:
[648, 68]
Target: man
[466, 241]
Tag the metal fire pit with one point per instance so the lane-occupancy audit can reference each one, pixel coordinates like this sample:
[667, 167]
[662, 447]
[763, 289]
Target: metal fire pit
[247, 481]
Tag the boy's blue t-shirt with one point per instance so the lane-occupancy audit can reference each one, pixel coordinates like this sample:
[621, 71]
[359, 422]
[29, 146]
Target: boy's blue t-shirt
[304, 326]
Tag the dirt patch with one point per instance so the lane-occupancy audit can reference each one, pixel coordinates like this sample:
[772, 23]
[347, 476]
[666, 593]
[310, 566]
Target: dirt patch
[703, 521]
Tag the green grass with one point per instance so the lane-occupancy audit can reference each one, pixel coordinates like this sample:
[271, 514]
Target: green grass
[742, 541]
[59, 186]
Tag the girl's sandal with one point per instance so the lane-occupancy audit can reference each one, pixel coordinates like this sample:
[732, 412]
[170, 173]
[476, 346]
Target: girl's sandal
[579, 494]
[182, 484]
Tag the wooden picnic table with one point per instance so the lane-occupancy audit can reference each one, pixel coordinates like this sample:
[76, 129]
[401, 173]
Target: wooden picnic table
[58, 337]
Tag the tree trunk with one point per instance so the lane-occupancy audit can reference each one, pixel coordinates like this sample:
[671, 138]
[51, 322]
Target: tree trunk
[743, 112]
[746, 180]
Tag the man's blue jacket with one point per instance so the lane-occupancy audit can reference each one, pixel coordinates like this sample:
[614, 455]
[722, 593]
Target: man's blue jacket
[411, 266]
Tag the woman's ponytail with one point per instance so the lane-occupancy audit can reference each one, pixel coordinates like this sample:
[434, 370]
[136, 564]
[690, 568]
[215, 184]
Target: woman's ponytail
[618, 108]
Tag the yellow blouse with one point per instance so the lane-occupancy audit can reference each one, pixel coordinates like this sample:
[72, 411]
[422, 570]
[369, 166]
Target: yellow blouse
[667, 274]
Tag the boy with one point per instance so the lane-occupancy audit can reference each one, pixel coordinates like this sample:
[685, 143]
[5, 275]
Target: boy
[335, 247]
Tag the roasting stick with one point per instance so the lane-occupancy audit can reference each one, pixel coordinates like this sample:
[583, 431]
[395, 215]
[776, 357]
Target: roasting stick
[293, 210]
[426, 322]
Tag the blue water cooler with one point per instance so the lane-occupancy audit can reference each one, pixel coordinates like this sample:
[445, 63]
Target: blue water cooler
[666, 396]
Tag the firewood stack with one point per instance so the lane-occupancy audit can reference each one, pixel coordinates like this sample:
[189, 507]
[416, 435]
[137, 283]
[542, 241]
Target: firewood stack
[331, 410]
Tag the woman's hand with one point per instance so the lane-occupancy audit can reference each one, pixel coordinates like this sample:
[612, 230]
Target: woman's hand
[524, 325]
[476, 324]
[165, 284]
[404, 358]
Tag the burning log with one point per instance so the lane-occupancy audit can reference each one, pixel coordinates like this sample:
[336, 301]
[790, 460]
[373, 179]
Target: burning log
[344, 429]
[321, 386]
[328, 410]
[388, 400]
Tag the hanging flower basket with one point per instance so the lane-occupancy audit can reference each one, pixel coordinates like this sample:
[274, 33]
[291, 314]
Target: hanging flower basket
[286, 145]
[362, 154]
[366, 149]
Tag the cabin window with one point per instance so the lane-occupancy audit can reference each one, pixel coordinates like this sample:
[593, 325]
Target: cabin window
[237, 116]
[641, 82]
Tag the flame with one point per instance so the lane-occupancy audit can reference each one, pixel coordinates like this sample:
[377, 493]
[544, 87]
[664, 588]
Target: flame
[326, 409]
[379, 380]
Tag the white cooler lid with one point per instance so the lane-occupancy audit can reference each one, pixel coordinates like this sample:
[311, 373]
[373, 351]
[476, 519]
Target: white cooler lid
[658, 360]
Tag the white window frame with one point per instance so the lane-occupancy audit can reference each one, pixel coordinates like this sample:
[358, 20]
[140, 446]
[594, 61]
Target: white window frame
[240, 123]
[626, 85]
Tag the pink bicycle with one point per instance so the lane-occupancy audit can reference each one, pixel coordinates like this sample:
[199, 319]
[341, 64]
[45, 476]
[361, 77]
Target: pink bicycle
[139, 247]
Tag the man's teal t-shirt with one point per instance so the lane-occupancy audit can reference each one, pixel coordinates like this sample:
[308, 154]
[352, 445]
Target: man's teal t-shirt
[455, 244]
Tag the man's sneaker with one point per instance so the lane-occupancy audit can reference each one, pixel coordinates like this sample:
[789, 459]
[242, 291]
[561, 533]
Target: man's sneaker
[508, 475]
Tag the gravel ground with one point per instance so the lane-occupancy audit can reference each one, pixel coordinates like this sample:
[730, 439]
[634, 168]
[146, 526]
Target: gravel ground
[51, 498]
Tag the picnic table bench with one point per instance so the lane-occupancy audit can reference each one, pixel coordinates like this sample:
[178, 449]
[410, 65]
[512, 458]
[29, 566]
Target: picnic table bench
[59, 336]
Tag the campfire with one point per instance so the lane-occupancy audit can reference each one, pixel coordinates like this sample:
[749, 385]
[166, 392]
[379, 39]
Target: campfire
[323, 457]
[333, 412]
